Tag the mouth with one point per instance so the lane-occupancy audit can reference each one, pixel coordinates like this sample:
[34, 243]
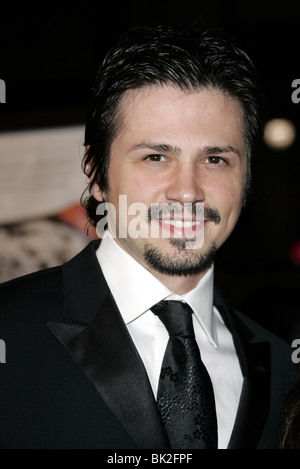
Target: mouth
[179, 228]
[186, 222]
[180, 223]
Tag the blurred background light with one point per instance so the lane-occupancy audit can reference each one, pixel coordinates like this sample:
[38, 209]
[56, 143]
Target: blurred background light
[279, 133]
[40, 172]
[295, 253]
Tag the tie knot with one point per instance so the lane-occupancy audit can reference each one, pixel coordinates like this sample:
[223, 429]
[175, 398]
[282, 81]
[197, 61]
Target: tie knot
[176, 316]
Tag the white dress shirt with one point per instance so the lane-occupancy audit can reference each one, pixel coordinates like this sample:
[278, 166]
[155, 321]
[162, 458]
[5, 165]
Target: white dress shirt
[135, 290]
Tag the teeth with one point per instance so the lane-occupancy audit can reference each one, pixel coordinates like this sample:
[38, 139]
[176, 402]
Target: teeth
[180, 223]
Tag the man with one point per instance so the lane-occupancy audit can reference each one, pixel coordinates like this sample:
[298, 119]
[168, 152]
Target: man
[173, 124]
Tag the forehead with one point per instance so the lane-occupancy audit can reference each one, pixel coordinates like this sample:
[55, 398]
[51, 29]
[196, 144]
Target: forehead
[162, 110]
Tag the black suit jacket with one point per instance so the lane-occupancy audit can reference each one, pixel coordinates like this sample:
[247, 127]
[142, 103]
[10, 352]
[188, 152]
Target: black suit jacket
[73, 377]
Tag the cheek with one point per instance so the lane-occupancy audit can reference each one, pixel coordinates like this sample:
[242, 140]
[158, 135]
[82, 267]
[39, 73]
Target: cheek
[227, 198]
[117, 182]
[224, 191]
[137, 187]
[233, 208]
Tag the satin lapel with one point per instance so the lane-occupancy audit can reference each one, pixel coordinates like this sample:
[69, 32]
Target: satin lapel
[106, 354]
[255, 363]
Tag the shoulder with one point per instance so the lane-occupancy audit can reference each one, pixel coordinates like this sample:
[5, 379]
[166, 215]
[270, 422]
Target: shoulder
[281, 351]
[30, 292]
[260, 333]
[255, 331]
[264, 342]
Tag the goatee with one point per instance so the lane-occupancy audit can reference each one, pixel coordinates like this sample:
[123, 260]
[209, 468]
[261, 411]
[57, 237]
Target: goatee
[184, 263]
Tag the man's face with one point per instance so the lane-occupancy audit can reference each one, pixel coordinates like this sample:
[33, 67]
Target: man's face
[181, 149]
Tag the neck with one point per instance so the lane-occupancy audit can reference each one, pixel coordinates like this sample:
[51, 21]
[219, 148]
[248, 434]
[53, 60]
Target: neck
[179, 284]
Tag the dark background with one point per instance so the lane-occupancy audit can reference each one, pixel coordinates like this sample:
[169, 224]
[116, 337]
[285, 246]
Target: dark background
[49, 56]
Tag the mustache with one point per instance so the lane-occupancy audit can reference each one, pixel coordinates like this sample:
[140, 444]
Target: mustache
[208, 213]
[212, 214]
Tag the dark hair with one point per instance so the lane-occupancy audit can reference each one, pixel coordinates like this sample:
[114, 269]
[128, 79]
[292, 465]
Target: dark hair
[190, 58]
[289, 435]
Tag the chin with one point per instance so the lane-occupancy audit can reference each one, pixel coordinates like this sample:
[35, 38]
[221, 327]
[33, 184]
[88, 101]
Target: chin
[182, 262]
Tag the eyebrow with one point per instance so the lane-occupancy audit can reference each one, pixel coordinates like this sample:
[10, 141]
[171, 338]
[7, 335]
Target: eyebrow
[158, 147]
[216, 150]
[167, 148]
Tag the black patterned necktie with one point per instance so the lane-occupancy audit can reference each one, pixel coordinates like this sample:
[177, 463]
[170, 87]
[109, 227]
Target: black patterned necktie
[185, 395]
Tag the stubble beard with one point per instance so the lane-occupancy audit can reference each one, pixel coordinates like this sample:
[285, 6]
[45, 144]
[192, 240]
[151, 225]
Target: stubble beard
[182, 261]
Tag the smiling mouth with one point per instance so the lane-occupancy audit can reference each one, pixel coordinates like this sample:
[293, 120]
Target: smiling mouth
[177, 221]
[181, 223]
[179, 228]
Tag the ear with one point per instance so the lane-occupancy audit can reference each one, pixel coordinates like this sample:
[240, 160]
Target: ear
[97, 193]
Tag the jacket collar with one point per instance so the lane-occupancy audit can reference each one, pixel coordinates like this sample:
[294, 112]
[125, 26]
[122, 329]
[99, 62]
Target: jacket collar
[84, 285]
[255, 362]
[101, 346]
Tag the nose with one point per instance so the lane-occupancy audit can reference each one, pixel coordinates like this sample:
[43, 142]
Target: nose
[185, 184]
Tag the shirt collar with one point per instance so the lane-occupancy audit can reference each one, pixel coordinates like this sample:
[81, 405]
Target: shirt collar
[136, 290]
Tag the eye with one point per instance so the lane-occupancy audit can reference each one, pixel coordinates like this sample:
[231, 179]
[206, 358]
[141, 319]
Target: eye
[155, 158]
[216, 161]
